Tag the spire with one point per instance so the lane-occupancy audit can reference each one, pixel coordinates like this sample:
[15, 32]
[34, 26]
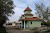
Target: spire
[28, 9]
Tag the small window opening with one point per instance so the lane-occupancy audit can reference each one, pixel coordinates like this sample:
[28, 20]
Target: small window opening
[31, 22]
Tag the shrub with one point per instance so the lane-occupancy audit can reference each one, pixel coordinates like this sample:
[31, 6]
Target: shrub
[2, 30]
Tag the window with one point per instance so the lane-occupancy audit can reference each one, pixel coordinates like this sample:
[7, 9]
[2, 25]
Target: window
[10, 24]
[31, 22]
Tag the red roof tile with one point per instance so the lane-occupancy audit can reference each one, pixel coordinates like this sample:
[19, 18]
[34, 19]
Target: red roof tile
[34, 18]
[28, 9]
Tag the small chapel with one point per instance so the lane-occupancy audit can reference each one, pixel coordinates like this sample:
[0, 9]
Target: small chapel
[28, 20]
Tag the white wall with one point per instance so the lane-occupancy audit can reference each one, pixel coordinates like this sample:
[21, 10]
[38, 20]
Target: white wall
[29, 16]
[27, 12]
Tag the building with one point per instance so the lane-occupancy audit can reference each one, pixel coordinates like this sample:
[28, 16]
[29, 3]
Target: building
[28, 21]
[13, 24]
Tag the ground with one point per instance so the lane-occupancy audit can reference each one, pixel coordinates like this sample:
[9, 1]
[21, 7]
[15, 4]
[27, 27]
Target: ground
[12, 30]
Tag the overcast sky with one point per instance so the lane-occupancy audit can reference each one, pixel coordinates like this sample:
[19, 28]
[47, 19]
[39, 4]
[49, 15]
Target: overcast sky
[21, 6]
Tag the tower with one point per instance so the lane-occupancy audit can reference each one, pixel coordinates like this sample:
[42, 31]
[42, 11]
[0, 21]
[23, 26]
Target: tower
[27, 13]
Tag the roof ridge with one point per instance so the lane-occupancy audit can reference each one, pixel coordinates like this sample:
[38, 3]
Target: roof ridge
[28, 9]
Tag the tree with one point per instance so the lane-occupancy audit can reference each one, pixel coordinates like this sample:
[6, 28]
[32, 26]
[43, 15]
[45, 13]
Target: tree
[42, 11]
[6, 9]
[48, 23]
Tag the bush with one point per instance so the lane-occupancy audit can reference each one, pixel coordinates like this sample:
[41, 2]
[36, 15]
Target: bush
[2, 30]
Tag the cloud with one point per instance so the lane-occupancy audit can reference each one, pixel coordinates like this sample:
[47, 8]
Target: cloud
[16, 16]
[20, 7]
[22, 4]
[19, 4]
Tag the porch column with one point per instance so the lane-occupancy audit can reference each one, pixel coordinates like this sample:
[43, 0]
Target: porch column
[24, 24]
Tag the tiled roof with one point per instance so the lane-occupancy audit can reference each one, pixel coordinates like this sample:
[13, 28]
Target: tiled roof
[28, 9]
[34, 18]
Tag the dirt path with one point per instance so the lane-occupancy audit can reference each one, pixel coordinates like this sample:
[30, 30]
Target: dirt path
[12, 30]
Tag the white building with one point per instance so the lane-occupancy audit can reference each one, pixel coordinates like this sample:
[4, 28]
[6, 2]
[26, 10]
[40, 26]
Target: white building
[12, 24]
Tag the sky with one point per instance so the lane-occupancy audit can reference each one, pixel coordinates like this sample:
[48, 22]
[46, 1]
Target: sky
[21, 5]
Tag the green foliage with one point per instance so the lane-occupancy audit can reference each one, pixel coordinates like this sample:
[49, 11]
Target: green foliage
[6, 9]
[42, 10]
[2, 30]
[48, 23]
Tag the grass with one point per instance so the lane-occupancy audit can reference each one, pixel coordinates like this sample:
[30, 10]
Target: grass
[2, 30]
